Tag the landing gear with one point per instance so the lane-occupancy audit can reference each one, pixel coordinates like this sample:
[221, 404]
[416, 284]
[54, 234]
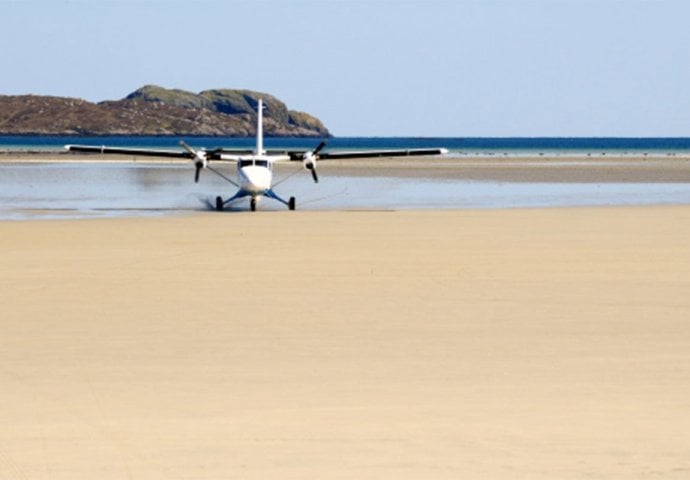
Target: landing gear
[254, 200]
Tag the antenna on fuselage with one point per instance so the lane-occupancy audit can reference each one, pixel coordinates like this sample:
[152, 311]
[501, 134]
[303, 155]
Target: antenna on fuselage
[260, 129]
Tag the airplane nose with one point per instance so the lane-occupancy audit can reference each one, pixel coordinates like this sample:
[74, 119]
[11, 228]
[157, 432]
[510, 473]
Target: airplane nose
[258, 179]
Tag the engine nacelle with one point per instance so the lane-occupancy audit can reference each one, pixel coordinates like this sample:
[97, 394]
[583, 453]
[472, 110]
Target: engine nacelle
[309, 161]
[200, 158]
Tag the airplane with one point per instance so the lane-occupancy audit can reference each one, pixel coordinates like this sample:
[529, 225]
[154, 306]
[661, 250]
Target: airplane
[254, 168]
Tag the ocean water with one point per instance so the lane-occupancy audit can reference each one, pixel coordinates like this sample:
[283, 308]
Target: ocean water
[456, 145]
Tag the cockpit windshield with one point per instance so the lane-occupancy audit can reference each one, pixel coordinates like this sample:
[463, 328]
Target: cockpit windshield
[250, 163]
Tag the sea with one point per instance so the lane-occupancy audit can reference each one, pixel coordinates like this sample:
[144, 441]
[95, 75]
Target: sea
[456, 145]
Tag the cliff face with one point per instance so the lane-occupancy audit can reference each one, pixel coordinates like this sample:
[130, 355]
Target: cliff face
[153, 110]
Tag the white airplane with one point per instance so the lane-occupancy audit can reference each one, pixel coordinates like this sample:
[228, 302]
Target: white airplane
[254, 168]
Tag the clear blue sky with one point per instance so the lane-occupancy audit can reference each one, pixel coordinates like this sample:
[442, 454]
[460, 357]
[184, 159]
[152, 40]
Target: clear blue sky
[376, 67]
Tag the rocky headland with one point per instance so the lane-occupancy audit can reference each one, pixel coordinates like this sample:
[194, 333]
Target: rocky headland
[154, 110]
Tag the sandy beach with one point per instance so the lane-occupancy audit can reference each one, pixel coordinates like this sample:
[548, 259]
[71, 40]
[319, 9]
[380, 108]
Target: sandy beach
[503, 344]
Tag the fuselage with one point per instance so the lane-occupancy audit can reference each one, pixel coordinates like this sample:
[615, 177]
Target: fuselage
[254, 175]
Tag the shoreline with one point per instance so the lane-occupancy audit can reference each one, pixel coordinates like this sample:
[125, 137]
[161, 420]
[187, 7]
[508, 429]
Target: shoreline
[518, 169]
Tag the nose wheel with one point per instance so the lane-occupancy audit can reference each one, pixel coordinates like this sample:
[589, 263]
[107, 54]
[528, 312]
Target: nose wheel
[219, 204]
[291, 203]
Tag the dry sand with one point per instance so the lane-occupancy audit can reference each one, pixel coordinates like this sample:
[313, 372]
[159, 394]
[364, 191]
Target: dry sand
[515, 344]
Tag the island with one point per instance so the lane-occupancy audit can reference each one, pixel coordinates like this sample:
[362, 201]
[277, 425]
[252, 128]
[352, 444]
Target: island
[154, 110]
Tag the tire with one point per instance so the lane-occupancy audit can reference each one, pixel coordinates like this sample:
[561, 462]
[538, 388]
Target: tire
[291, 203]
[219, 204]
[252, 204]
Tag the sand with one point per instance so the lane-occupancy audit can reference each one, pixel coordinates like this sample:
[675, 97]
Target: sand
[513, 344]
[592, 168]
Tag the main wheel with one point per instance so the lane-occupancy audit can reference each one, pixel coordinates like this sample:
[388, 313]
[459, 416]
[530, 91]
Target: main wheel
[291, 203]
[219, 204]
[252, 204]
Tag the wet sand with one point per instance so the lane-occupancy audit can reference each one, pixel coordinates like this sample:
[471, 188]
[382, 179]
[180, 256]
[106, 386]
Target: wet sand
[506, 344]
[632, 168]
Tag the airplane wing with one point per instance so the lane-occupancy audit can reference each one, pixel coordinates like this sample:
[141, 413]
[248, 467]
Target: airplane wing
[129, 151]
[187, 153]
[300, 155]
[382, 153]
[201, 157]
[227, 154]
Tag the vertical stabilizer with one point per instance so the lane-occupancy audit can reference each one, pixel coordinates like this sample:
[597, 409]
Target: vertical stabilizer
[260, 129]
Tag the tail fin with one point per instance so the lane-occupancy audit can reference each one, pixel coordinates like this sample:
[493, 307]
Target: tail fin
[260, 129]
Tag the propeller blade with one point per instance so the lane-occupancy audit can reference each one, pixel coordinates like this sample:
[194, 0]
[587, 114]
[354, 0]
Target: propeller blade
[187, 147]
[314, 175]
[198, 165]
[320, 147]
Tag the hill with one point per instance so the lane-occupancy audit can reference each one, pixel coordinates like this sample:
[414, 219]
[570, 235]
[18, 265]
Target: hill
[153, 110]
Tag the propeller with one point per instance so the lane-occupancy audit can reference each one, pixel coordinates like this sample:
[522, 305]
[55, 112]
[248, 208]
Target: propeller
[200, 160]
[310, 160]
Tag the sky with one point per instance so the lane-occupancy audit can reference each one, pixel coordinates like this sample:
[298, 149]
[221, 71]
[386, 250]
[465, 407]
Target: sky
[427, 68]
